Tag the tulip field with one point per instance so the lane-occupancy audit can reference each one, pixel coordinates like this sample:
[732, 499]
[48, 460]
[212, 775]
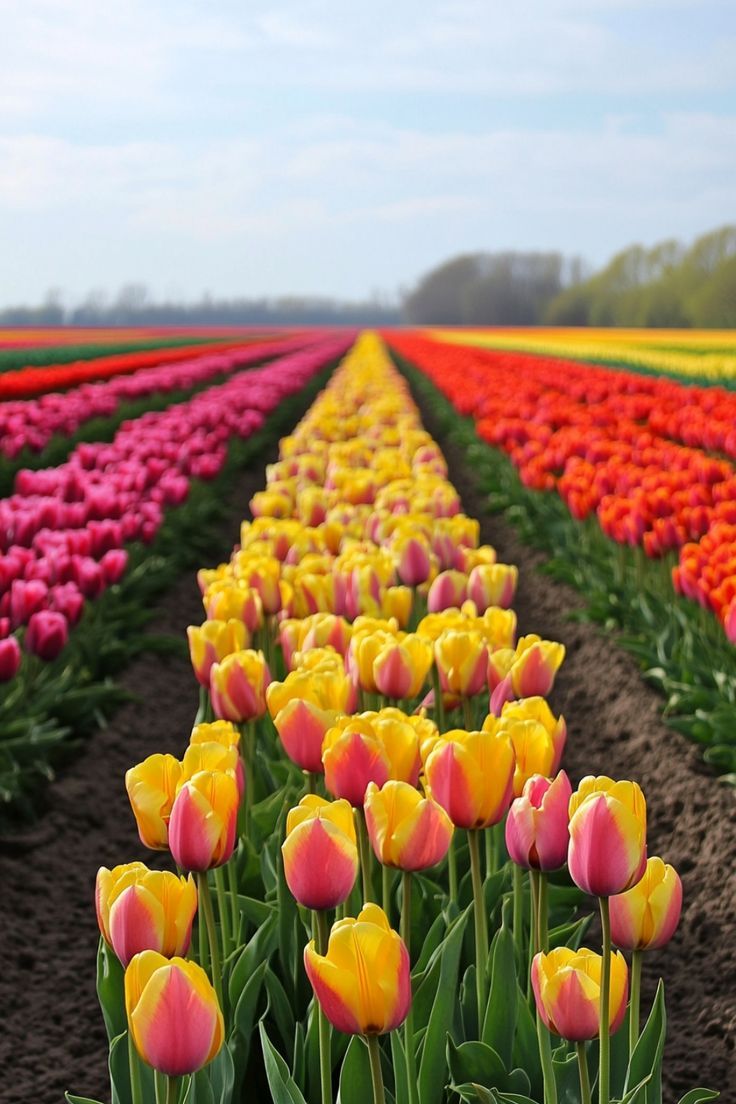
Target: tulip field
[309, 794]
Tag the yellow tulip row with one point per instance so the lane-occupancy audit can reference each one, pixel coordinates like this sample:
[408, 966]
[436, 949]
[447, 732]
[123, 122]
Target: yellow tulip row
[674, 352]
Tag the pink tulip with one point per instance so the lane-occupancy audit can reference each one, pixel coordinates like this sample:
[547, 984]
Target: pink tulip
[10, 658]
[537, 833]
[47, 634]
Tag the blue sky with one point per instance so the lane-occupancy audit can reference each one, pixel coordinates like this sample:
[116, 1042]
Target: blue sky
[316, 147]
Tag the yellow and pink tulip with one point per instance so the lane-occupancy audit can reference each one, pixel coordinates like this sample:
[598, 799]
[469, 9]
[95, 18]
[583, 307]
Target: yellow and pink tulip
[608, 830]
[645, 917]
[406, 830]
[567, 990]
[145, 910]
[537, 826]
[320, 852]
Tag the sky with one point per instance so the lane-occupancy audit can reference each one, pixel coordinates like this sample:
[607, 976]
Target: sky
[311, 147]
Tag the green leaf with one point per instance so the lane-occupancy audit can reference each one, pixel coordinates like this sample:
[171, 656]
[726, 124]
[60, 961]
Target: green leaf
[646, 1061]
[356, 1086]
[500, 1019]
[282, 1010]
[72, 1099]
[398, 1059]
[259, 949]
[526, 1044]
[432, 1069]
[282, 1085]
[120, 1073]
[221, 1072]
[476, 1062]
[111, 990]
[200, 1089]
[699, 1096]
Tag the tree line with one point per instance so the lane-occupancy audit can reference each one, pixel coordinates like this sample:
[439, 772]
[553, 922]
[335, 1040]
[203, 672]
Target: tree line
[669, 284]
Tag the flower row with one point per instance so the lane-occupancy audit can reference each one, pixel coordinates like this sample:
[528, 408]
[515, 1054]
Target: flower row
[64, 528]
[601, 439]
[31, 423]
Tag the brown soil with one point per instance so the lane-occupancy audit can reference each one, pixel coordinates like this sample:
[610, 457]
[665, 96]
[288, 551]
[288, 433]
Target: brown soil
[52, 1036]
[615, 727]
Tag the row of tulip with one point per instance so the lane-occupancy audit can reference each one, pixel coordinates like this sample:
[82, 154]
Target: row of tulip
[708, 355]
[357, 532]
[26, 382]
[32, 423]
[26, 348]
[604, 441]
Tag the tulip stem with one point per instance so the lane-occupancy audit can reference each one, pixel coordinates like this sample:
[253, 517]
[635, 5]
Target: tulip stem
[386, 890]
[452, 870]
[232, 882]
[411, 1058]
[374, 1053]
[533, 931]
[439, 705]
[223, 910]
[635, 1000]
[202, 943]
[319, 931]
[605, 1034]
[518, 914]
[134, 1068]
[467, 715]
[584, 1075]
[310, 779]
[205, 900]
[481, 924]
[364, 849]
[543, 914]
[545, 1055]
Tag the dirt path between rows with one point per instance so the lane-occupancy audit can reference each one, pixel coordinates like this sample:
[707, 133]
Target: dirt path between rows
[51, 1033]
[615, 727]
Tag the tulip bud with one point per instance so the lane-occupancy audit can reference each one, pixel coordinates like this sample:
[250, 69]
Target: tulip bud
[608, 827]
[362, 983]
[215, 732]
[202, 827]
[534, 751]
[471, 775]
[47, 634]
[173, 1014]
[413, 561]
[238, 686]
[320, 852]
[537, 833]
[566, 987]
[537, 709]
[211, 642]
[449, 590]
[145, 910]
[535, 666]
[10, 658]
[462, 662]
[229, 599]
[645, 917]
[492, 585]
[353, 755]
[401, 666]
[406, 830]
[151, 787]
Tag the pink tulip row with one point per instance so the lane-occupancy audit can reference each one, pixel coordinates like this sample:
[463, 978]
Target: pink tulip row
[63, 530]
[31, 423]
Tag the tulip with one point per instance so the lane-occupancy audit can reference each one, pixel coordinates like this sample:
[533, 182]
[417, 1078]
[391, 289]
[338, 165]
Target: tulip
[214, 756]
[302, 727]
[215, 732]
[537, 832]
[397, 602]
[352, 756]
[644, 918]
[227, 600]
[211, 642]
[362, 983]
[145, 910]
[567, 990]
[537, 709]
[401, 667]
[173, 1013]
[400, 735]
[498, 627]
[406, 830]
[471, 775]
[320, 852]
[47, 634]
[413, 561]
[305, 706]
[10, 658]
[492, 585]
[364, 649]
[203, 820]
[608, 823]
[449, 590]
[238, 686]
[462, 662]
[536, 664]
[534, 750]
[151, 787]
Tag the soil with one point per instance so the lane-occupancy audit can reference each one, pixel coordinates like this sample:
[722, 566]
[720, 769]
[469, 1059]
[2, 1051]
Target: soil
[52, 1033]
[53, 1037]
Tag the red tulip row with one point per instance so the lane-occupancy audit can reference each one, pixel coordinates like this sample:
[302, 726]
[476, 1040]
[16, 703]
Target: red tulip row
[607, 442]
[62, 533]
[26, 382]
[31, 423]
